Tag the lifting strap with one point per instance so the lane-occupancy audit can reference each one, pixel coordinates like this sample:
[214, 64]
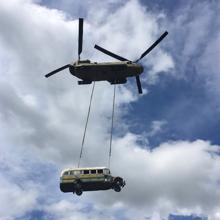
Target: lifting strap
[87, 119]
[113, 112]
[112, 125]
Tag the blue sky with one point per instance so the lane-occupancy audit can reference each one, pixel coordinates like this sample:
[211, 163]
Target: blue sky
[169, 134]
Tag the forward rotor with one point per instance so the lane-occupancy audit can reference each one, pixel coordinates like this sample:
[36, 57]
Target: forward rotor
[80, 46]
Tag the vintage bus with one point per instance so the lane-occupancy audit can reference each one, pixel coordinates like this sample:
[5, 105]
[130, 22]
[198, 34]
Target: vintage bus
[77, 180]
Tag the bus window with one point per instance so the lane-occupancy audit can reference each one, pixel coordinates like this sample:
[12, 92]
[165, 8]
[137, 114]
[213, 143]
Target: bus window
[77, 172]
[106, 171]
[66, 173]
[93, 171]
[86, 172]
[100, 171]
[71, 172]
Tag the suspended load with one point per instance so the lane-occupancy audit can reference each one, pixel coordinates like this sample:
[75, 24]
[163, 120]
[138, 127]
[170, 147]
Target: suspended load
[77, 180]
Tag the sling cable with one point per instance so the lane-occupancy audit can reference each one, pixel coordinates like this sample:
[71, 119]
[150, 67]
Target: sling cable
[87, 120]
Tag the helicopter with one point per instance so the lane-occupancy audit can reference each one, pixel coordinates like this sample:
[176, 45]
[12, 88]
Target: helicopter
[113, 72]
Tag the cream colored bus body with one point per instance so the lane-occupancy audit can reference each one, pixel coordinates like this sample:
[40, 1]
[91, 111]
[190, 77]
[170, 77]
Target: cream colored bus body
[89, 179]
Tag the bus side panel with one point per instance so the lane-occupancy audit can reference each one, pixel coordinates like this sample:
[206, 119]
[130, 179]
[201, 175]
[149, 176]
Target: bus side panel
[86, 186]
[67, 187]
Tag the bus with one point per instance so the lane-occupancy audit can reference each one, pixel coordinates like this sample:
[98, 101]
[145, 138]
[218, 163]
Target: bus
[77, 180]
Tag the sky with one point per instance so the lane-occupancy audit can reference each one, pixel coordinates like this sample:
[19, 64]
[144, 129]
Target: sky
[165, 143]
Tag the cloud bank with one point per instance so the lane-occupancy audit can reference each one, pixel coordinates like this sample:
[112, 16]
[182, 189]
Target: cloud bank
[42, 120]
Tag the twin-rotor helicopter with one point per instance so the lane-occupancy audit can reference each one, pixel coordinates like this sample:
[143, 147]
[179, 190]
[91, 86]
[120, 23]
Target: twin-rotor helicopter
[113, 72]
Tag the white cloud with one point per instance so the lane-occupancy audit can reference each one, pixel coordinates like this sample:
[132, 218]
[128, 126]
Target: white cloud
[174, 176]
[156, 127]
[67, 210]
[46, 118]
[210, 66]
[15, 199]
[194, 41]
[177, 177]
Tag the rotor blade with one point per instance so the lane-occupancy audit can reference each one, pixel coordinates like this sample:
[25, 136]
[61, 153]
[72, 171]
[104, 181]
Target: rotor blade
[57, 70]
[110, 53]
[139, 84]
[153, 45]
[80, 37]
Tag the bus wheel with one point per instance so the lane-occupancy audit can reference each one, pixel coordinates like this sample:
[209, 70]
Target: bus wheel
[117, 188]
[118, 181]
[79, 192]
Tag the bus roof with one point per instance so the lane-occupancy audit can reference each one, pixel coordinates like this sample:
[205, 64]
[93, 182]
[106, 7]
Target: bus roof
[84, 168]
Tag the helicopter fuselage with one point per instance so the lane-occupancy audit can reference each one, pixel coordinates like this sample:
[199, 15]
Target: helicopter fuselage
[113, 72]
